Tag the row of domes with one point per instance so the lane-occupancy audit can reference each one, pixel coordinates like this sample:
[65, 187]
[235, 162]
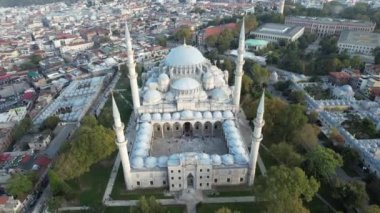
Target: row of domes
[187, 114]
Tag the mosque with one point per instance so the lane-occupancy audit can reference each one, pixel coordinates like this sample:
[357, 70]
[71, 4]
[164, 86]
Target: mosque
[186, 131]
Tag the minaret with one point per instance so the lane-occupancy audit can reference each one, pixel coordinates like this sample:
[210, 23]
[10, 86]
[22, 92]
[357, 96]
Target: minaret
[257, 137]
[122, 145]
[281, 7]
[239, 67]
[132, 71]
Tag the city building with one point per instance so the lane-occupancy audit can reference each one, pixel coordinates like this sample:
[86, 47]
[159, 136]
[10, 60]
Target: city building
[329, 26]
[9, 204]
[277, 32]
[255, 44]
[37, 141]
[74, 100]
[357, 42]
[214, 31]
[186, 131]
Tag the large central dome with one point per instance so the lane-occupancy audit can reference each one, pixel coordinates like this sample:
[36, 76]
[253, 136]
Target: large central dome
[184, 55]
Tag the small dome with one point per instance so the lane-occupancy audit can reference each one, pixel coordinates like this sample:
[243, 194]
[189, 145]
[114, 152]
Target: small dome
[146, 117]
[241, 159]
[152, 97]
[198, 115]
[217, 115]
[137, 162]
[207, 115]
[227, 159]
[156, 116]
[163, 161]
[228, 114]
[150, 162]
[219, 94]
[176, 116]
[216, 159]
[187, 114]
[185, 84]
[166, 116]
[184, 55]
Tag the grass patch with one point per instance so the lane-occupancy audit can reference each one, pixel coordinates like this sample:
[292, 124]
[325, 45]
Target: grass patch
[241, 207]
[267, 158]
[119, 192]
[170, 209]
[90, 186]
[317, 206]
[231, 191]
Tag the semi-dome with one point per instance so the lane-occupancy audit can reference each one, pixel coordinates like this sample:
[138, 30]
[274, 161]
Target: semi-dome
[185, 84]
[184, 55]
[152, 97]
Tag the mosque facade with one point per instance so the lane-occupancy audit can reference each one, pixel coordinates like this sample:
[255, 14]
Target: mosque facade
[185, 131]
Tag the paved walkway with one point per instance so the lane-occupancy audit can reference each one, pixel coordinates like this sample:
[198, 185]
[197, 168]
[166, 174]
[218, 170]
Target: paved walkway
[76, 208]
[111, 180]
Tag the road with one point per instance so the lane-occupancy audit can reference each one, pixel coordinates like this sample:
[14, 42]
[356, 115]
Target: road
[64, 132]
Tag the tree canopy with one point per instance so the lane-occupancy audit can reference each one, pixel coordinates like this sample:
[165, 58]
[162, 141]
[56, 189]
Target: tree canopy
[50, 122]
[285, 188]
[322, 163]
[19, 185]
[148, 205]
[352, 194]
[91, 143]
[183, 33]
[22, 128]
[286, 154]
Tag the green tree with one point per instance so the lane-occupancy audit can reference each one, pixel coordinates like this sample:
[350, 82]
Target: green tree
[54, 203]
[328, 45]
[51, 122]
[148, 205]
[247, 84]
[91, 143]
[373, 209]
[19, 185]
[224, 40]
[297, 97]
[352, 194]
[322, 163]
[225, 210]
[286, 154]
[161, 40]
[183, 33]
[106, 118]
[57, 185]
[211, 41]
[260, 75]
[351, 157]
[307, 137]
[376, 54]
[285, 188]
[22, 128]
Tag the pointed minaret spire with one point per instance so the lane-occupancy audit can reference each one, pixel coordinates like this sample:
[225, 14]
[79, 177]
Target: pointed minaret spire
[122, 144]
[239, 67]
[257, 137]
[116, 113]
[131, 68]
[242, 37]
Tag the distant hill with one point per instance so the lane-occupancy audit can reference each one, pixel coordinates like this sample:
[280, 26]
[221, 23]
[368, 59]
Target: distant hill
[22, 3]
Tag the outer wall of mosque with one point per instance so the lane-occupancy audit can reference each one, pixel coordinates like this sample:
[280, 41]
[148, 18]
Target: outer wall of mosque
[186, 97]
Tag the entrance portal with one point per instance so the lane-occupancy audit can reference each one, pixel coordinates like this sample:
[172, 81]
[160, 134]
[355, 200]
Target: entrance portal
[190, 181]
[187, 130]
